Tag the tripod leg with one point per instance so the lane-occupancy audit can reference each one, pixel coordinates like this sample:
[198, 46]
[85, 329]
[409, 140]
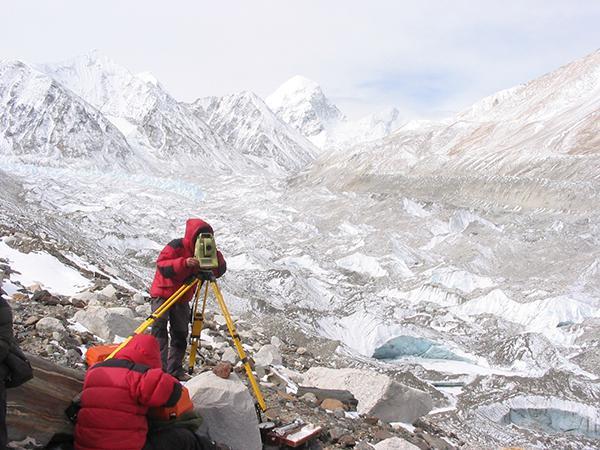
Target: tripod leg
[156, 314]
[197, 324]
[238, 345]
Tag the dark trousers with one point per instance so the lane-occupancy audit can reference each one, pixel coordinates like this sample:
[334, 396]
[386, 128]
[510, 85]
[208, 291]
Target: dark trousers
[178, 319]
[176, 438]
[3, 434]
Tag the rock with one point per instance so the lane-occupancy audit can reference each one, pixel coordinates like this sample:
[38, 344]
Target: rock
[229, 355]
[395, 443]
[310, 398]
[268, 355]
[336, 433]
[347, 441]
[86, 296]
[31, 320]
[339, 413]
[378, 395]
[222, 370]
[34, 287]
[139, 299]
[371, 420]
[56, 336]
[78, 303]
[122, 311]
[363, 445]
[109, 292]
[276, 341]
[220, 320]
[301, 350]
[382, 435]
[332, 404]
[19, 297]
[143, 310]
[107, 323]
[228, 410]
[36, 408]
[50, 325]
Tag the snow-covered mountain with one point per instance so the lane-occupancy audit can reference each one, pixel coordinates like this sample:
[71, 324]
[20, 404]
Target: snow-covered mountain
[301, 103]
[147, 115]
[535, 145]
[43, 123]
[245, 122]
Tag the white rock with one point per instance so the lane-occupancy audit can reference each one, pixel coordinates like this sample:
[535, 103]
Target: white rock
[276, 341]
[139, 299]
[220, 320]
[50, 324]
[267, 355]
[122, 311]
[35, 287]
[143, 310]
[107, 323]
[227, 409]
[377, 394]
[109, 292]
[395, 443]
[229, 355]
[86, 296]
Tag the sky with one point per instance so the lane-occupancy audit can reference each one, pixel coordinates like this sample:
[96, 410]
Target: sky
[427, 58]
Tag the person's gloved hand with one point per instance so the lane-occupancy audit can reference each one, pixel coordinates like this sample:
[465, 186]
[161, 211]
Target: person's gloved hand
[192, 263]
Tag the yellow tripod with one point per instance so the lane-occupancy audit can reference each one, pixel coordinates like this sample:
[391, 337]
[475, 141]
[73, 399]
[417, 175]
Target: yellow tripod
[204, 277]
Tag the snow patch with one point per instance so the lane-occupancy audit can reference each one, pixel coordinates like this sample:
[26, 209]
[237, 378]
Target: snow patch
[41, 267]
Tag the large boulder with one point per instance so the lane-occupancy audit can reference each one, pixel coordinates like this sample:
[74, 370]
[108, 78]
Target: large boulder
[377, 394]
[50, 325]
[228, 410]
[107, 323]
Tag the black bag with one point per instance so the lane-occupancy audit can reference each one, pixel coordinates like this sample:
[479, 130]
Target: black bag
[19, 368]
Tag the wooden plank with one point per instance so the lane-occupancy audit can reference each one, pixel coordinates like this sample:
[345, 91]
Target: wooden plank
[36, 408]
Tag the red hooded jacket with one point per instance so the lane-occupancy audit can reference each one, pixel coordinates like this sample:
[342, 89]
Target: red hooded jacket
[117, 394]
[171, 271]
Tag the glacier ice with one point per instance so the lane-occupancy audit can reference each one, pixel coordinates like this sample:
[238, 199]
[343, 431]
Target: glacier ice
[403, 346]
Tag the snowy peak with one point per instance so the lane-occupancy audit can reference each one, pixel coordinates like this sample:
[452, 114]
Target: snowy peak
[142, 109]
[301, 103]
[93, 76]
[245, 122]
[44, 123]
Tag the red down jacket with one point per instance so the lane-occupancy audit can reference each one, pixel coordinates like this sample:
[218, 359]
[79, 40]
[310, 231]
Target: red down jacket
[117, 394]
[171, 271]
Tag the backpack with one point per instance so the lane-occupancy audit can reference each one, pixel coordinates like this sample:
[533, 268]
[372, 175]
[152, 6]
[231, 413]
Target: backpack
[19, 368]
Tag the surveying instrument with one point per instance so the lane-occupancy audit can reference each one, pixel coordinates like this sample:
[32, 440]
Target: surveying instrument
[206, 253]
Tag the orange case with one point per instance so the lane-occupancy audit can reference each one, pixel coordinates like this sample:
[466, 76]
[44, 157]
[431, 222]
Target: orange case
[98, 353]
[183, 405]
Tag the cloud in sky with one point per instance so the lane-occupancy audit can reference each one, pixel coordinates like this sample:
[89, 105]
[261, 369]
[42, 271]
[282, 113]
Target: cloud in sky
[425, 57]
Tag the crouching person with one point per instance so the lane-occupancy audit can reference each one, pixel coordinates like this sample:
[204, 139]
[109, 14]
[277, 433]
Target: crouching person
[116, 396]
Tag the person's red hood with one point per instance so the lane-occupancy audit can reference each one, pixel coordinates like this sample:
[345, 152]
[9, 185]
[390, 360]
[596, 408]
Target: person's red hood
[192, 228]
[142, 349]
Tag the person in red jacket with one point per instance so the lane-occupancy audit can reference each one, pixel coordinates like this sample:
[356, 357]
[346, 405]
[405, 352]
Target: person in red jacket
[175, 264]
[116, 396]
